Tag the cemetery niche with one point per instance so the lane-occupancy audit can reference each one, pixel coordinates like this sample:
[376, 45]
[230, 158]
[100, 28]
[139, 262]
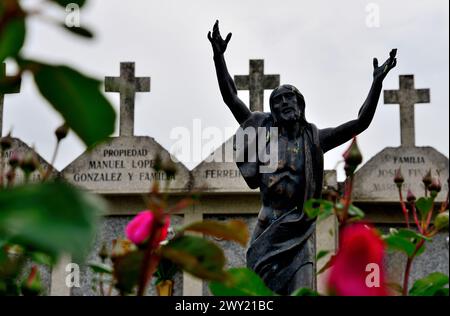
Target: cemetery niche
[124, 170]
[125, 164]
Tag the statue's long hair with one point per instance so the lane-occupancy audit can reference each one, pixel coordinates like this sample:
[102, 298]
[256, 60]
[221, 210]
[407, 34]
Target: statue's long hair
[300, 101]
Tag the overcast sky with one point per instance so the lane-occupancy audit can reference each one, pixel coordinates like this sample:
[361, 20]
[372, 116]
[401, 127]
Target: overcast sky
[324, 48]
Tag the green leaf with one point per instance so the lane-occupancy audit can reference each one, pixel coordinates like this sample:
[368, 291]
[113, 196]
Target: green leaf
[305, 292]
[127, 270]
[52, 218]
[396, 242]
[79, 30]
[12, 38]
[442, 292]
[242, 282]
[42, 258]
[166, 270]
[65, 3]
[424, 205]
[99, 267]
[234, 230]
[79, 100]
[404, 240]
[409, 233]
[200, 257]
[356, 212]
[321, 254]
[318, 208]
[431, 285]
[327, 265]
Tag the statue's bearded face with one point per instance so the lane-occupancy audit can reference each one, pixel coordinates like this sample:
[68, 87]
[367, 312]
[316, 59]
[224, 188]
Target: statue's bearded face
[285, 107]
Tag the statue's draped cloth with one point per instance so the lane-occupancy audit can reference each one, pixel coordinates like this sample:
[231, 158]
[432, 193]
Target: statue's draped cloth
[285, 244]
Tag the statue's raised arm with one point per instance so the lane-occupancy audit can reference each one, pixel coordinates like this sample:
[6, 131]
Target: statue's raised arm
[333, 137]
[227, 88]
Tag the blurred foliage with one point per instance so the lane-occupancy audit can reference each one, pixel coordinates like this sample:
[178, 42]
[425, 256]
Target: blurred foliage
[39, 222]
[241, 282]
[75, 96]
[435, 284]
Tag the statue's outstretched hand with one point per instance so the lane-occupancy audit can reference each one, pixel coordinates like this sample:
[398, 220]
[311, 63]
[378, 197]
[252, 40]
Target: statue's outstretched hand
[379, 73]
[219, 45]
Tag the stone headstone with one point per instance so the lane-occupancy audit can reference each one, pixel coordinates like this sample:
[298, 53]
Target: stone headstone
[374, 182]
[220, 175]
[126, 164]
[21, 149]
[12, 85]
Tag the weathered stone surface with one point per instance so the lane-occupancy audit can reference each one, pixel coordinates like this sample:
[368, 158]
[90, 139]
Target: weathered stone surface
[256, 82]
[374, 182]
[219, 173]
[21, 149]
[127, 85]
[125, 165]
[407, 96]
[112, 228]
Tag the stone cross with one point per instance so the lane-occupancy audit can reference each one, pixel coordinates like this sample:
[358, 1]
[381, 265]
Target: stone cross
[256, 83]
[15, 88]
[127, 85]
[407, 96]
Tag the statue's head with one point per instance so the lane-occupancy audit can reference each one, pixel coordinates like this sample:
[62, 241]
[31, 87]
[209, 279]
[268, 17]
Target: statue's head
[287, 105]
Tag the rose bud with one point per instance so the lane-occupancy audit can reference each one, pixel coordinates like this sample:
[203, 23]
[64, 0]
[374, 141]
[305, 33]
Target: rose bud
[435, 186]
[441, 220]
[61, 132]
[398, 179]
[6, 142]
[427, 179]
[140, 228]
[29, 163]
[352, 157]
[15, 160]
[410, 197]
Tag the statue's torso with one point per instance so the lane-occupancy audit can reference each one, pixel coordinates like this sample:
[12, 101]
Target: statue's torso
[284, 188]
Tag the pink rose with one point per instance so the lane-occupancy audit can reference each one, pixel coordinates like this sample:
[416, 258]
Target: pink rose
[141, 227]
